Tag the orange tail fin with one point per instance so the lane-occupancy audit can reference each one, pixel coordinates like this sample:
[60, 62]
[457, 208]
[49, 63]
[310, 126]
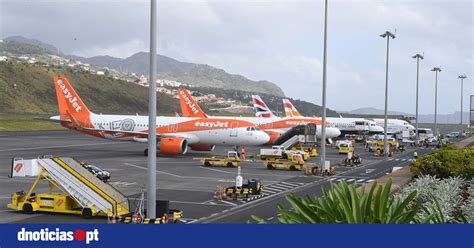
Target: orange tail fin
[290, 110]
[189, 107]
[70, 103]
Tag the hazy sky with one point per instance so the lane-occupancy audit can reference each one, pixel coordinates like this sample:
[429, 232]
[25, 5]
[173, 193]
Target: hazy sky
[279, 41]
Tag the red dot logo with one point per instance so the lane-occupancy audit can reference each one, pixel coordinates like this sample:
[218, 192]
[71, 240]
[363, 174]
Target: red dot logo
[79, 235]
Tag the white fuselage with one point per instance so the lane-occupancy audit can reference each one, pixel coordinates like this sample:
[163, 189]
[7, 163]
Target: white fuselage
[351, 125]
[283, 124]
[194, 130]
[395, 125]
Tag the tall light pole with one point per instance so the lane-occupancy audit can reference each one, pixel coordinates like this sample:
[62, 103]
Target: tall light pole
[417, 57]
[387, 35]
[151, 186]
[462, 77]
[436, 70]
[323, 124]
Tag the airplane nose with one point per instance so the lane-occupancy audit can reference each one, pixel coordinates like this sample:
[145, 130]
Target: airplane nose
[333, 132]
[263, 138]
[337, 132]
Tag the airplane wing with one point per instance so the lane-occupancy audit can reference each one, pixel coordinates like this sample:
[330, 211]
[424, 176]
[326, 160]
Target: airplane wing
[55, 118]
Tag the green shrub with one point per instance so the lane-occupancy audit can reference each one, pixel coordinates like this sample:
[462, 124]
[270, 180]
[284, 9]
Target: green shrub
[468, 208]
[440, 198]
[446, 162]
[343, 204]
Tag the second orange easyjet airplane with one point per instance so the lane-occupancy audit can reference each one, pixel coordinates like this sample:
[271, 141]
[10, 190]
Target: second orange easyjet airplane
[273, 125]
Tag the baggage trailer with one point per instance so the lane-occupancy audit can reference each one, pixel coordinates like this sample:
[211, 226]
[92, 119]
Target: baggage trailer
[232, 160]
[253, 187]
[279, 152]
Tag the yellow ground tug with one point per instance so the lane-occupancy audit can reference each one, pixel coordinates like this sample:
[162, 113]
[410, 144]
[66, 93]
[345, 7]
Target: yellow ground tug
[72, 189]
[232, 160]
[294, 162]
[310, 150]
[345, 148]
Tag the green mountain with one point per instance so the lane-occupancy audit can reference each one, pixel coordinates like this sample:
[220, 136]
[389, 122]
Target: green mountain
[168, 68]
[196, 74]
[22, 45]
[28, 88]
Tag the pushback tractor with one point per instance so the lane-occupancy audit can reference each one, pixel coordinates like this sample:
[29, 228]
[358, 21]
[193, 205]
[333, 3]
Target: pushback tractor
[232, 160]
[72, 189]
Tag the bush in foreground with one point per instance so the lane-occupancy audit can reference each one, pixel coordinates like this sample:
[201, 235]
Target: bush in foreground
[343, 204]
[446, 162]
[445, 200]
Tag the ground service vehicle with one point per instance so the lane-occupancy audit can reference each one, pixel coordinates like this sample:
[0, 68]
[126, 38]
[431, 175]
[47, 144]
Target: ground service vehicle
[345, 148]
[253, 187]
[103, 175]
[72, 189]
[232, 160]
[294, 162]
[453, 135]
[278, 152]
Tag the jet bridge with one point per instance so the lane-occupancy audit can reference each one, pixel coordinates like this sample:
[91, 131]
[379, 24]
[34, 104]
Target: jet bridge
[80, 192]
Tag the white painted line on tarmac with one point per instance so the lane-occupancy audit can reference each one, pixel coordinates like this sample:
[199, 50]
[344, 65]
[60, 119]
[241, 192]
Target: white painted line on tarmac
[360, 180]
[266, 190]
[49, 147]
[217, 170]
[227, 202]
[143, 168]
[291, 184]
[176, 162]
[350, 180]
[281, 187]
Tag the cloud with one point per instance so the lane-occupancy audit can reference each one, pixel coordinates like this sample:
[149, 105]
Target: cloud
[120, 50]
[280, 41]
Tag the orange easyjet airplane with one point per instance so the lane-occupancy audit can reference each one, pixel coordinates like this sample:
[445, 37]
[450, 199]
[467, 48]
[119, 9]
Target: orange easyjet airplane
[174, 133]
[273, 125]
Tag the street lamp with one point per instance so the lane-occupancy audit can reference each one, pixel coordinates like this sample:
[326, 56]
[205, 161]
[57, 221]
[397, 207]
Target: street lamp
[151, 173]
[436, 70]
[417, 57]
[323, 124]
[462, 77]
[387, 35]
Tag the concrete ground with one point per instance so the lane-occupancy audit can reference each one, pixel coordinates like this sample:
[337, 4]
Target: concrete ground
[180, 179]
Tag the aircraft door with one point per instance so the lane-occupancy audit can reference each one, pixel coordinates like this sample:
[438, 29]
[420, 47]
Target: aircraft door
[233, 129]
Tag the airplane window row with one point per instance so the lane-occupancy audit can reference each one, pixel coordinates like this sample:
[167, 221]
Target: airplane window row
[252, 129]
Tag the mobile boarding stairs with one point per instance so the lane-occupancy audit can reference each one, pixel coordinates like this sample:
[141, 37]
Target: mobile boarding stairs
[72, 189]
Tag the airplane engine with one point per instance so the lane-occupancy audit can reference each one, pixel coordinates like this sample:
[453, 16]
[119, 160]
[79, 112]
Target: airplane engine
[202, 147]
[173, 146]
[140, 140]
[273, 137]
